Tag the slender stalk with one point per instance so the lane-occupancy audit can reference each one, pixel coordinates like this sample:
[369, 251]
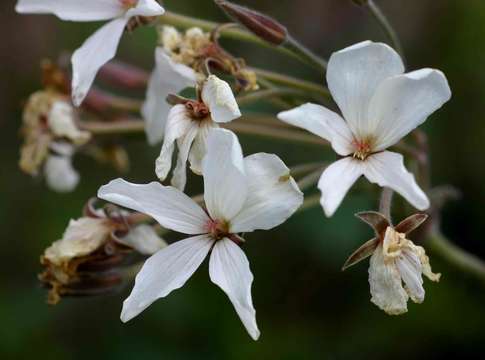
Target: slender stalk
[293, 82]
[385, 203]
[457, 257]
[385, 25]
[310, 180]
[126, 126]
[305, 54]
[310, 202]
[266, 94]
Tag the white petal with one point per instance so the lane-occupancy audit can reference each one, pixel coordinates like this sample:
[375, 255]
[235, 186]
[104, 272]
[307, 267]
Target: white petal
[402, 103]
[178, 125]
[199, 147]
[220, 100]
[146, 8]
[336, 181]
[61, 123]
[354, 74]
[170, 207]
[321, 122]
[387, 170]
[73, 10]
[225, 182]
[143, 239]
[179, 178]
[273, 195]
[385, 285]
[229, 269]
[164, 272]
[410, 270]
[167, 78]
[96, 51]
[59, 173]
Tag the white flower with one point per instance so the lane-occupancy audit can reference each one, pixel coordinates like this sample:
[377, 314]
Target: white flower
[397, 260]
[62, 124]
[189, 124]
[59, 173]
[167, 78]
[380, 106]
[241, 195]
[101, 47]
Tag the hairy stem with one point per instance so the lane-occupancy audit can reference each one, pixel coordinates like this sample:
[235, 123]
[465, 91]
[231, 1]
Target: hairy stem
[385, 203]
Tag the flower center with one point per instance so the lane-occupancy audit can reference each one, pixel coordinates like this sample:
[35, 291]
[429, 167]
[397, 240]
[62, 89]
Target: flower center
[363, 148]
[128, 4]
[218, 229]
[197, 109]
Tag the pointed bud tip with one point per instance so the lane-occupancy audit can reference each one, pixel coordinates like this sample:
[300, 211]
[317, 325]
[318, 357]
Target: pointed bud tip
[259, 24]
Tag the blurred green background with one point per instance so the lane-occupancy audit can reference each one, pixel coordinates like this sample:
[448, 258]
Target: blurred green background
[306, 307]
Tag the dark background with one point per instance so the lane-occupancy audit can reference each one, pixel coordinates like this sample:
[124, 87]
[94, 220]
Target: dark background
[307, 308]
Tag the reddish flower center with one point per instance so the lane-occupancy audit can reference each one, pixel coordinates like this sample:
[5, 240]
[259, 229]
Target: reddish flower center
[128, 4]
[217, 229]
[363, 148]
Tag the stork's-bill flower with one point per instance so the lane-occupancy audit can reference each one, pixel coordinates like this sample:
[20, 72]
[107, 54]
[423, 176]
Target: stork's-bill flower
[188, 125]
[241, 195]
[394, 261]
[380, 105]
[101, 47]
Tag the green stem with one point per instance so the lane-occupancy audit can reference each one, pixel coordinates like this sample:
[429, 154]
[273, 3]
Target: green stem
[457, 257]
[267, 94]
[306, 54]
[386, 26]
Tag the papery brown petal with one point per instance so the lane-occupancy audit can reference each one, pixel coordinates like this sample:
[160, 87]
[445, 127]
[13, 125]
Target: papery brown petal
[261, 25]
[361, 253]
[411, 223]
[376, 220]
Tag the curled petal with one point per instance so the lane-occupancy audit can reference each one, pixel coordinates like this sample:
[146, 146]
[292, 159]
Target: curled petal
[199, 147]
[164, 272]
[61, 123]
[229, 269]
[179, 178]
[220, 100]
[144, 239]
[410, 269]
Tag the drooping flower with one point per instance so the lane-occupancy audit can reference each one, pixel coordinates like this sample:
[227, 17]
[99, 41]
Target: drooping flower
[101, 47]
[84, 260]
[241, 195]
[394, 260]
[380, 105]
[188, 125]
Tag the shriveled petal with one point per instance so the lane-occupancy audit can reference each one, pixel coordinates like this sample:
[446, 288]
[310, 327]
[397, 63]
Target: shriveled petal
[179, 178]
[386, 286]
[273, 195]
[220, 100]
[61, 123]
[59, 174]
[403, 102]
[178, 125]
[73, 10]
[353, 76]
[321, 122]
[96, 51]
[164, 272]
[167, 78]
[225, 180]
[336, 181]
[410, 270]
[229, 269]
[170, 207]
[387, 170]
[199, 147]
[146, 8]
[143, 239]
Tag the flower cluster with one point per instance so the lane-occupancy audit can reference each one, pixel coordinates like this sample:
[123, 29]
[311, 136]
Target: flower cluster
[379, 105]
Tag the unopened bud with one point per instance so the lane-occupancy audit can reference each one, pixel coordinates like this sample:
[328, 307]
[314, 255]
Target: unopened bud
[261, 25]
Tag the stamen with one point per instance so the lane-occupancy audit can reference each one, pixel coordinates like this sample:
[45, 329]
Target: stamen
[218, 229]
[362, 149]
[128, 4]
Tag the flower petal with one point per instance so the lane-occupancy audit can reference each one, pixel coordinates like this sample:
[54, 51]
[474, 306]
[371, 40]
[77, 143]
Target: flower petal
[322, 122]
[178, 125]
[410, 270]
[164, 272]
[220, 100]
[387, 170]
[60, 174]
[402, 103]
[144, 239]
[273, 195]
[96, 51]
[61, 123]
[229, 269]
[385, 285]
[199, 147]
[336, 181]
[146, 8]
[225, 181]
[170, 207]
[73, 10]
[354, 74]
[167, 78]
[179, 177]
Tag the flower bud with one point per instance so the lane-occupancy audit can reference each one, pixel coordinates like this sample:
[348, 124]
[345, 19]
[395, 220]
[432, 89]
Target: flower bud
[261, 25]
